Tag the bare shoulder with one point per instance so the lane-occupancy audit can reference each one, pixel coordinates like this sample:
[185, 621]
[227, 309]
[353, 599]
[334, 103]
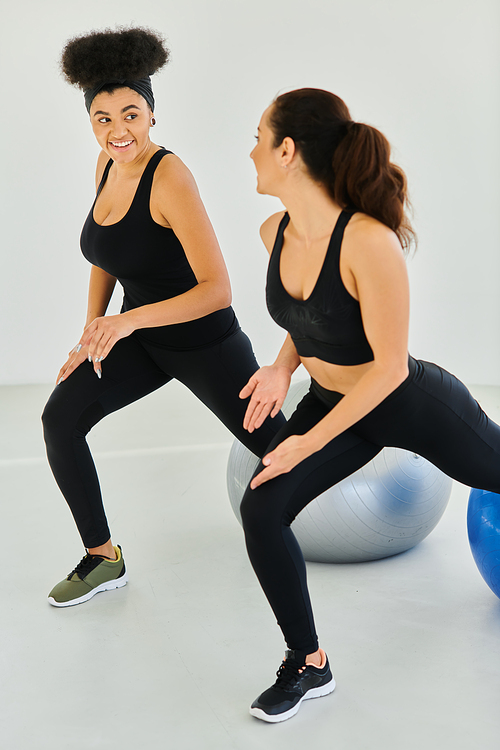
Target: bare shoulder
[175, 195]
[269, 230]
[172, 173]
[368, 241]
[102, 160]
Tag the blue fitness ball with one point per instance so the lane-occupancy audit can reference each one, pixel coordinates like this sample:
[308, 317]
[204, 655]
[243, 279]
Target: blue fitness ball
[483, 527]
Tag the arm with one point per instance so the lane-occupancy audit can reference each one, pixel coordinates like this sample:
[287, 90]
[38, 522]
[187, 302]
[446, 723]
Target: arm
[176, 196]
[376, 267]
[101, 287]
[269, 385]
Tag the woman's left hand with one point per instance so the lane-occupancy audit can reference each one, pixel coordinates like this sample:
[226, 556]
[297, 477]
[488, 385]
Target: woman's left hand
[282, 459]
[102, 334]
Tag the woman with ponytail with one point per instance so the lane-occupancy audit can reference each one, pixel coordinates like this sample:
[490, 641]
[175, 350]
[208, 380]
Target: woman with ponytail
[337, 283]
[148, 230]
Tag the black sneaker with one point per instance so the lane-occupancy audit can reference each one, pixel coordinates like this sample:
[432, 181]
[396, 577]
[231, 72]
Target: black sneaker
[297, 681]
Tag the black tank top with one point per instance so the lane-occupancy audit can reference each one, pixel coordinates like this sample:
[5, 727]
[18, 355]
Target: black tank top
[327, 324]
[150, 263]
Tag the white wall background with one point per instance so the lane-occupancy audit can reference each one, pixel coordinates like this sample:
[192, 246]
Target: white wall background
[426, 73]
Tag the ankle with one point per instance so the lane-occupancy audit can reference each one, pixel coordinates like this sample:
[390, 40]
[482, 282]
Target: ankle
[104, 550]
[318, 659]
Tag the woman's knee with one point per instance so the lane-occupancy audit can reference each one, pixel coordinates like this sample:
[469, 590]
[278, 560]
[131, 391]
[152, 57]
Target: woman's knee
[64, 417]
[57, 428]
[247, 510]
[52, 417]
[252, 511]
[261, 515]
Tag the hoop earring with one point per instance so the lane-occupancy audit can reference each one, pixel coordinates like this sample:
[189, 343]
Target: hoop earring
[153, 122]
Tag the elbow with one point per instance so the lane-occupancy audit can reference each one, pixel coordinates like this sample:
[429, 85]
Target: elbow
[393, 373]
[222, 296]
[225, 296]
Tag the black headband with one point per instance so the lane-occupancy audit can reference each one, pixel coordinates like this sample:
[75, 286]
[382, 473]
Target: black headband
[141, 85]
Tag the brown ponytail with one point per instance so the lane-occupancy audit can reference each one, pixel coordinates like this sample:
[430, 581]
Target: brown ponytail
[350, 159]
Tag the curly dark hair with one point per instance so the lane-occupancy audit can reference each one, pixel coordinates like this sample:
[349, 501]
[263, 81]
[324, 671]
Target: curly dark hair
[109, 55]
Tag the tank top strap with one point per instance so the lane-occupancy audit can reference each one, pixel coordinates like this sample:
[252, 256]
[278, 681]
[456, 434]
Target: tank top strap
[147, 176]
[144, 188]
[104, 178]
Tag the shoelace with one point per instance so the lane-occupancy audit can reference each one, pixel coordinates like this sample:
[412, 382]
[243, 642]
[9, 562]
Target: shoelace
[288, 672]
[85, 566]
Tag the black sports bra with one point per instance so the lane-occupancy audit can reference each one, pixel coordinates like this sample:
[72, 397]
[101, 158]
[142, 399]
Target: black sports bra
[327, 324]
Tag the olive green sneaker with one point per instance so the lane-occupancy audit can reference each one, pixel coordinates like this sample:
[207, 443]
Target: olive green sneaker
[92, 575]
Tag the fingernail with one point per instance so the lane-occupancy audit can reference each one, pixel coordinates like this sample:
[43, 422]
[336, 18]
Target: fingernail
[89, 358]
[60, 381]
[99, 374]
[78, 348]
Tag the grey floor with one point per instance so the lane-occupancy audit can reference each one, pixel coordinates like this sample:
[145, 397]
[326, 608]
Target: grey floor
[174, 659]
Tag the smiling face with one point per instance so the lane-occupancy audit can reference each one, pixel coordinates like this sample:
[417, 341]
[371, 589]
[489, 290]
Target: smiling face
[121, 123]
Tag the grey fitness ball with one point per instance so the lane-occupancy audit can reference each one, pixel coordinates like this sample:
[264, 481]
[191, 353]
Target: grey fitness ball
[384, 508]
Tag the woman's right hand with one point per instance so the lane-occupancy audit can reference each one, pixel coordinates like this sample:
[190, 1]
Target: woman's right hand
[267, 389]
[75, 358]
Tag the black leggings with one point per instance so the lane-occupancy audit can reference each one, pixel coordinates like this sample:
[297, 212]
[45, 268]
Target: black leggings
[431, 413]
[133, 369]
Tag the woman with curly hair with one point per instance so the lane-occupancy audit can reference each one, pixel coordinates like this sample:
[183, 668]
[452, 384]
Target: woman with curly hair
[337, 283]
[148, 230]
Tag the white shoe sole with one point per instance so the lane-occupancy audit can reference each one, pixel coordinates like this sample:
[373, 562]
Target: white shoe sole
[106, 586]
[317, 692]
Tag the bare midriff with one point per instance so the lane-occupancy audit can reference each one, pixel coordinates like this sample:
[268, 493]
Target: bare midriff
[339, 378]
